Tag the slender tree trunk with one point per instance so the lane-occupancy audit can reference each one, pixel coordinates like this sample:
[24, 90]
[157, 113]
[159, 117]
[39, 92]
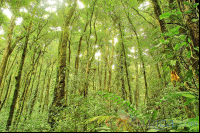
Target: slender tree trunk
[124, 93]
[36, 91]
[18, 77]
[29, 94]
[46, 102]
[100, 75]
[21, 102]
[4, 80]
[6, 74]
[94, 81]
[1, 16]
[141, 58]
[163, 73]
[7, 48]
[24, 97]
[126, 67]
[42, 90]
[86, 89]
[110, 65]
[68, 68]
[137, 86]
[105, 66]
[159, 75]
[6, 95]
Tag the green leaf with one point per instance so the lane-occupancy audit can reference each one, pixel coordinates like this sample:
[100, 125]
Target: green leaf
[107, 95]
[196, 48]
[182, 37]
[102, 119]
[184, 43]
[189, 54]
[179, 13]
[112, 98]
[195, 20]
[162, 40]
[128, 103]
[189, 40]
[119, 102]
[177, 47]
[175, 94]
[187, 3]
[188, 101]
[165, 15]
[195, 5]
[173, 31]
[173, 11]
[173, 62]
[169, 56]
[188, 95]
[93, 119]
[189, 11]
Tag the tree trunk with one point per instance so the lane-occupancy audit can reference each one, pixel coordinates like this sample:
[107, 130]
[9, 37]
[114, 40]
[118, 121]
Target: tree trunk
[137, 86]
[6, 74]
[6, 95]
[141, 58]
[125, 63]
[36, 91]
[59, 94]
[193, 30]
[42, 90]
[46, 102]
[105, 66]
[110, 65]
[157, 11]
[124, 93]
[18, 77]
[7, 49]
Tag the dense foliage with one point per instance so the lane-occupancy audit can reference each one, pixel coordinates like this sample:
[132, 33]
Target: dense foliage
[99, 65]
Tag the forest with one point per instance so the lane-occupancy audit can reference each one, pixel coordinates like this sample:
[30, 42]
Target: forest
[99, 65]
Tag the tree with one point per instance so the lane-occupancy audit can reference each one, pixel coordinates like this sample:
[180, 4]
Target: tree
[60, 88]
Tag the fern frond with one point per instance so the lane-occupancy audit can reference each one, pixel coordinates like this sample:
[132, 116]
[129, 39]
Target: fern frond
[100, 119]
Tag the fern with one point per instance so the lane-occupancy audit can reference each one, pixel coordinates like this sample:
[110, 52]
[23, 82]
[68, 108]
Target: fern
[117, 99]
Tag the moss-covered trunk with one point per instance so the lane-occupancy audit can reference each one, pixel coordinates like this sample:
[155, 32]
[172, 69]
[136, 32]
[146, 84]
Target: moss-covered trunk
[158, 12]
[7, 48]
[59, 93]
[18, 77]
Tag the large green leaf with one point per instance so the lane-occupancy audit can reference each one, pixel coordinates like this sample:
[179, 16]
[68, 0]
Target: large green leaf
[187, 3]
[177, 46]
[173, 31]
[165, 15]
[188, 95]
